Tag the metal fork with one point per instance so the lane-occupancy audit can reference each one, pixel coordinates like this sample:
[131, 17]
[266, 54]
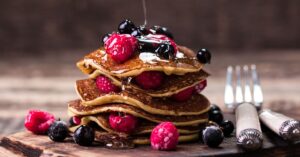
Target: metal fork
[245, 105]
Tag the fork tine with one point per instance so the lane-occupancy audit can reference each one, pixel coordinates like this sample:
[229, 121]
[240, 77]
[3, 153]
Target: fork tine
[228, 95]
[247, 90]
[257, 91]
[238, 92]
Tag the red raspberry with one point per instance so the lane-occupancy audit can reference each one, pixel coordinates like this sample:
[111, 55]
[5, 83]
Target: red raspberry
[164, 136]
[184, 95]
[122, 122]
[38, 121]
[120, 47]
[150, 79]
[105, 85]
[199, 87]
[162, 37]
[76, 120]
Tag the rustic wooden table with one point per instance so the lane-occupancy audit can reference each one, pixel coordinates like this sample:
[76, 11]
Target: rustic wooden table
[46, 82]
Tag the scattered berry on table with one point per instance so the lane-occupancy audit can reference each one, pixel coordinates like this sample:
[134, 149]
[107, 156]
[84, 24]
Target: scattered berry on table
[105, 85]
[212, 136]
[227, 127]
[150, 79]
[216, 116]
[120, 47]
[184, 95]
[58, 131]
[204, 56]
[121, 122]
[126, 27]
[164, 136]
[38, 121]
[214, 107]
[84, 135]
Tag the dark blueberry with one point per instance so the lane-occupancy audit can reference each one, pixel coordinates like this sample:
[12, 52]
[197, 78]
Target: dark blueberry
[84, 135]
[105, 37]
[227, 127]
[163, 30]
[165, 50]
[58, 131]
[212, 136]
[147, 47]
[71, 122]
[126, 27]
[204, 56]
[214, 107]
[136, 33]
[143, 30]
[216, 116]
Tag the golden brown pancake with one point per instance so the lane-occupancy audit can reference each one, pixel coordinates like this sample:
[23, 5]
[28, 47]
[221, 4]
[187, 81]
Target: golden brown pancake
[172, 83]
[129, 141]
[90, 96]
[144, 126]
[75, 108]
[137, 64]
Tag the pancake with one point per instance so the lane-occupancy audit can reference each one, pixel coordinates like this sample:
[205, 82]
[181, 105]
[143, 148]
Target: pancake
[120, 141]
[75, 108]
[90, 96]
[139, 63]
[172, 84]
[144, 126]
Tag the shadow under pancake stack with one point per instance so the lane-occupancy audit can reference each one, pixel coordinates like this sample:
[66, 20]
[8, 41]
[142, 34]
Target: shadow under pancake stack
[139, 78]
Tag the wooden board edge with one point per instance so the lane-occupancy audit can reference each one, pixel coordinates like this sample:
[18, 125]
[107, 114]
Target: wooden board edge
[20, 148]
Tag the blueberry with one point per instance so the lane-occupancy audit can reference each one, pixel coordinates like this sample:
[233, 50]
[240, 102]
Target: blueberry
[71, 122]
[227, 127]
[105, 37]
[204, 56]
[146, 47]
[143, 30]
[165, 50]
[126, 27]
[212, 136]
[163, 30]
[84, 135]
[214, 107]
[58, 131]
[136, 33]
[215, 116]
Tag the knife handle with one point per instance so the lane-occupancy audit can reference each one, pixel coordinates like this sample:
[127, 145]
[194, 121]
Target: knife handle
[248, 131]
[284, 126]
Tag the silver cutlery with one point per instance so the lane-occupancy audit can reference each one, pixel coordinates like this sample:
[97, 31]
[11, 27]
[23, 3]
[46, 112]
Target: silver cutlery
[245, 105]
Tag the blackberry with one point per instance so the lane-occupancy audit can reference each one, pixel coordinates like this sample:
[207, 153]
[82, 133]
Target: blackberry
[58, 131]
[84, 135]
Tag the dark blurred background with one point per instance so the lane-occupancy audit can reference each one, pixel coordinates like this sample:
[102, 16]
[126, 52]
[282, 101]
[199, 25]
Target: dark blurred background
[41, 40]
[34, 26]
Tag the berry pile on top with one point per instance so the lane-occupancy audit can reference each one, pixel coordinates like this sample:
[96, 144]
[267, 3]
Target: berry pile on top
[143, 88]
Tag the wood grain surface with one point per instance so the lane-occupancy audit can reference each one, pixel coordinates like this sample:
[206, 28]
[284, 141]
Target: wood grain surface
[28, 144]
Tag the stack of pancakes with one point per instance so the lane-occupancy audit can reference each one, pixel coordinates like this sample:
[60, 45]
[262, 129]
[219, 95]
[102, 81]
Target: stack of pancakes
[150, 106]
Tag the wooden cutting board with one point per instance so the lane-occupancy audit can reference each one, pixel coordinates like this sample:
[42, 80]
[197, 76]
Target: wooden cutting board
[28, 144]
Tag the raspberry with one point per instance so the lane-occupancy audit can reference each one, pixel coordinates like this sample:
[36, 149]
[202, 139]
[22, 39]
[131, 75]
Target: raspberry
[164, 136]
[120, 47]
[105, 85]
[76, 120]
[122, 122]
[199, 87]
[184, 95]
[38, 121]
[150, 79]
